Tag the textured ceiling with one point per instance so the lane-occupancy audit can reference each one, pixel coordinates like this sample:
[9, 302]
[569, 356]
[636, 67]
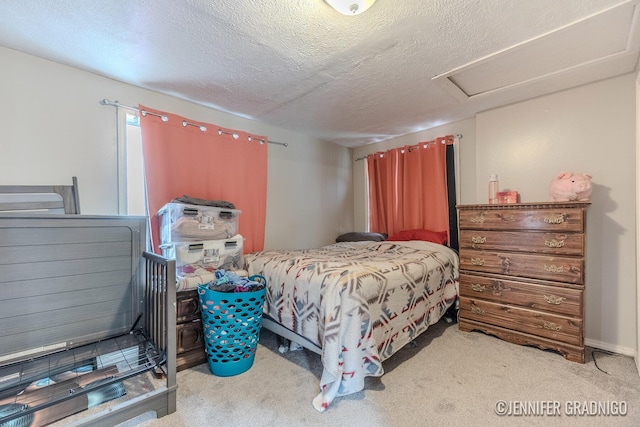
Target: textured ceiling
[353, 80]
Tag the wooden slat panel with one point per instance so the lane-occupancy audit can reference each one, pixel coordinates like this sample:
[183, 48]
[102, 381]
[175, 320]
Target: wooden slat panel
[29, 189]
[78, 313]
[69, 281]
[45, 205]
[56, 285]
[48, 253]
[9, 273]
[35, 236]
[517, 241]
[56, 305]
[32, 196]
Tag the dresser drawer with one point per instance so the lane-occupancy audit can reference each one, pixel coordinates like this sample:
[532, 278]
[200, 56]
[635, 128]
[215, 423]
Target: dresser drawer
[559, 269]
[189, 336]
[187, 305]
[550, 219]
[552, 299]
[522, 241]
[556, 327]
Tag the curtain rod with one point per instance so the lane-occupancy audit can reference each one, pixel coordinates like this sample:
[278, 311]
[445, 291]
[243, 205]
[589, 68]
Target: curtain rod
[364, 157]
[184, 123]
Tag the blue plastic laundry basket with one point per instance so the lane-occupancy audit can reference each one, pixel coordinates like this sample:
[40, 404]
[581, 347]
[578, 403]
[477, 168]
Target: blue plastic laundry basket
[231, 322]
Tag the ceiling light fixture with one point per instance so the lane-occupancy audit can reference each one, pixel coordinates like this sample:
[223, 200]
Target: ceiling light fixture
[350, 7]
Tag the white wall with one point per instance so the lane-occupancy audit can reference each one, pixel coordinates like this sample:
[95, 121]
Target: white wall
[637, 355]
[53, 127]
[587, 129]
[310, 194]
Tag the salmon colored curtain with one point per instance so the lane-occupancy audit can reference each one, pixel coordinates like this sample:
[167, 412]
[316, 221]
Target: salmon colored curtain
[408, 188]
[183, 157]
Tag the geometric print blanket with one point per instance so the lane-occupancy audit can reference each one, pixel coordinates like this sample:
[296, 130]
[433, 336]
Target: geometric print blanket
[359, 301]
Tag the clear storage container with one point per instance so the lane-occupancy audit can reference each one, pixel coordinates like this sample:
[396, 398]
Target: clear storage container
[198, 258]
[180, 222]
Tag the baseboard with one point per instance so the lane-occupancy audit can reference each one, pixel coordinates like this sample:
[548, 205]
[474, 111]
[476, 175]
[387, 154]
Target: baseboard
[612, 348]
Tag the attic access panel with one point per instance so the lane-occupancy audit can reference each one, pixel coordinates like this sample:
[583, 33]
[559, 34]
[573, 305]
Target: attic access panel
[608, 39]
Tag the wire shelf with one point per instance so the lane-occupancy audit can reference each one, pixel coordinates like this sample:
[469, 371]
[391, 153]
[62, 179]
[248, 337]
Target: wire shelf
[45, 389]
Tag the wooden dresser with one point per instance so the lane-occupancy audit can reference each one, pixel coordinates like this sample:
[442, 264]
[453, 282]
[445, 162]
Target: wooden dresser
[189, 334]
[522, 273]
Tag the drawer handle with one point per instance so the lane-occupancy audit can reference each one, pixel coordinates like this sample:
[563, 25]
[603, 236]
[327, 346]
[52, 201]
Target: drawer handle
[478, 240]
[477, 219]
[553, 243]
[551, 326]
[505, 218]
[499, 288]
[557, 219]
[553, 299]
[193, 305]
[505, 263]
[553, 268]
[477, 310]
[477, 261]
[477, 287]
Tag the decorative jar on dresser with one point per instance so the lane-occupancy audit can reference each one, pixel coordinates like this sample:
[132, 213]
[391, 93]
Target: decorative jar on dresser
[522, 273]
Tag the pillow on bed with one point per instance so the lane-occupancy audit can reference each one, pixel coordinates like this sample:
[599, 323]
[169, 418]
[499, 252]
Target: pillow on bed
[439, 237]
[359, 236]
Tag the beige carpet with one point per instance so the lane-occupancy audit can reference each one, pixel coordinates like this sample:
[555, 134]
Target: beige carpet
[450, 378]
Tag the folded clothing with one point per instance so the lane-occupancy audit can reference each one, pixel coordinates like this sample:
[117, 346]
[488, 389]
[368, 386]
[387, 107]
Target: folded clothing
[201, 277]
[228, 281]
[204, 202]
[191, 228]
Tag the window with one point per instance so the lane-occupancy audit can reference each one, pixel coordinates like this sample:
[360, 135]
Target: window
[132, 182]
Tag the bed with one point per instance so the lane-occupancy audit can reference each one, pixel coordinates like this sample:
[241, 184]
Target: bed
[355, 303]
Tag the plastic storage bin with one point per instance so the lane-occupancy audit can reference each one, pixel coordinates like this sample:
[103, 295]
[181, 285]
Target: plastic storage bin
[180, 222]
[193, 258]
[231, 322]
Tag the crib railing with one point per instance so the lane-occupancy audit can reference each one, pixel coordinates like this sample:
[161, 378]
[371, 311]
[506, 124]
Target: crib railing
[159, 301]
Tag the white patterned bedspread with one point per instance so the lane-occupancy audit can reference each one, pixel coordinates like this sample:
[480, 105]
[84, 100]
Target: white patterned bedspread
[360, 301]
